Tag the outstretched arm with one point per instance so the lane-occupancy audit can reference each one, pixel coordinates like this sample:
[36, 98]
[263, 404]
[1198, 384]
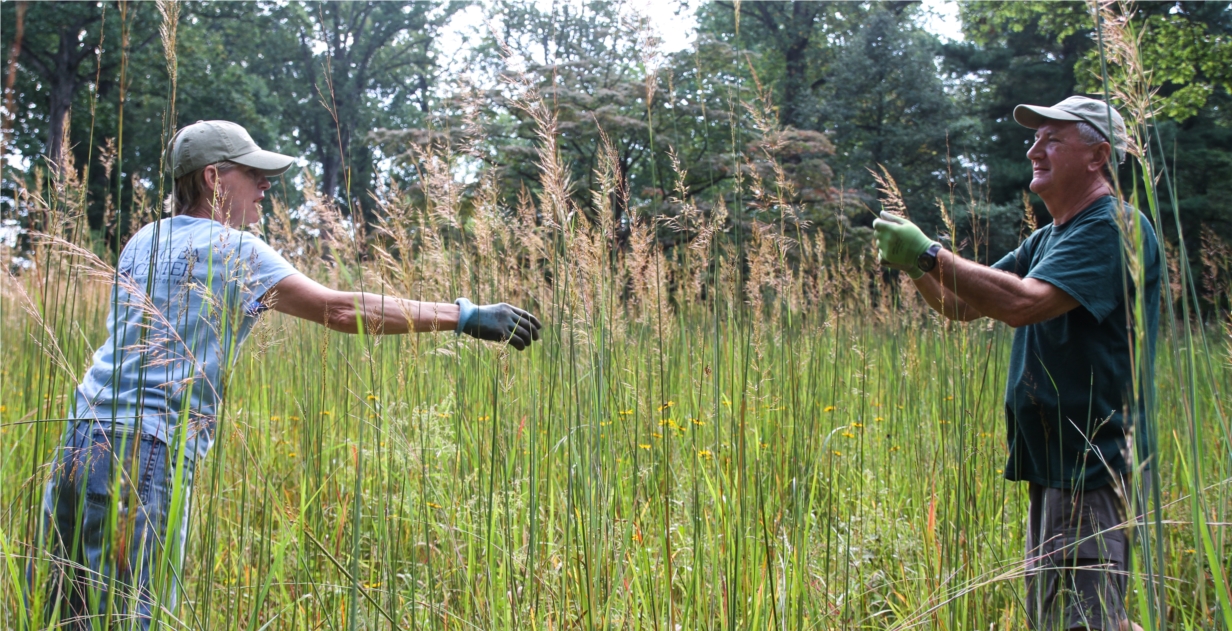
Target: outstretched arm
[344, 311]
[302, 297]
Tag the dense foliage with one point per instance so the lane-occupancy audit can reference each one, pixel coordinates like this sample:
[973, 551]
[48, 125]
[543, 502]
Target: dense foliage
[838, 88]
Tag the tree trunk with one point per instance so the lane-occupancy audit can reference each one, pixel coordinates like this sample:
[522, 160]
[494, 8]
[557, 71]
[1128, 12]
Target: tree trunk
[330, 166]
[796, 87]
[61, 97]
[63, 86]
[10, 78]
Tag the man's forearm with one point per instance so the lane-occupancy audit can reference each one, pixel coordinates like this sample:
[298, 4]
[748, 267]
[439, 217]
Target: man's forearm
[999, 295]
[944, 301]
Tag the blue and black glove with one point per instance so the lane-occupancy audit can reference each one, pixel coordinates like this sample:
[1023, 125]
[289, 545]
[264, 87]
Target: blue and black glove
[498, 323]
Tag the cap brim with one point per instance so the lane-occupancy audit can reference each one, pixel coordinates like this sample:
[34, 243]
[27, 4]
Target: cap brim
[268, 162]
[1032, 116]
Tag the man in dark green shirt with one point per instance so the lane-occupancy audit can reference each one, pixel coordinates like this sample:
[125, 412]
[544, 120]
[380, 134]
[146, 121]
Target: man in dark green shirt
[1070, 400]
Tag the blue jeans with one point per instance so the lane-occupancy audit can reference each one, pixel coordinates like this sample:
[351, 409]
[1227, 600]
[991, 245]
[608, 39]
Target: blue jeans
[110, 571]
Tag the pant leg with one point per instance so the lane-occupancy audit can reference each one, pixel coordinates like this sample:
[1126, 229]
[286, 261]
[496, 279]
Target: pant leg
[1041, 584]
[112, 568]
[1077, 561]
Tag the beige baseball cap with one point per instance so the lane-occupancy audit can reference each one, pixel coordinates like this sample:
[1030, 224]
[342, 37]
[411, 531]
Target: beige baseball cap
[206, 142]
[1078, 108]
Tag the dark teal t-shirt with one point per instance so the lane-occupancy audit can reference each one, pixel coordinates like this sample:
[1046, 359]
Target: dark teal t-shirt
[1071, 378]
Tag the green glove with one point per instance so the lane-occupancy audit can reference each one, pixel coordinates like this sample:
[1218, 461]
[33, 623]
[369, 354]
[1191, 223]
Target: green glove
[900, 243]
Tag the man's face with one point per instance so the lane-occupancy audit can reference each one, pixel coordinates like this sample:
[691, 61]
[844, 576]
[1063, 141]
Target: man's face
[1061, 163]
[242, 190]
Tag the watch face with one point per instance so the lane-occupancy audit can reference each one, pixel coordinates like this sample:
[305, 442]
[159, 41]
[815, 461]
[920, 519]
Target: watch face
[926, 262]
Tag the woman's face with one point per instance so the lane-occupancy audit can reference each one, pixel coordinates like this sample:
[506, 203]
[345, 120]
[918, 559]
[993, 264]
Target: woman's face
[240, 191]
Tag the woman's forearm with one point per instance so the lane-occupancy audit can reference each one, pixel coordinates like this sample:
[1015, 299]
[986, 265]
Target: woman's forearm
[346, 311]
[389, 315]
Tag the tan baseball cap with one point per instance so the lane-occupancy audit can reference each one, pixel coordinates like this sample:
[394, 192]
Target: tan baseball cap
[1078, 108]
[206, 142]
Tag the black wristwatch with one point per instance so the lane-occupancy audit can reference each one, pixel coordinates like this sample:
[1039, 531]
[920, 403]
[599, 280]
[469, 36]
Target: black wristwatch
[928, 260]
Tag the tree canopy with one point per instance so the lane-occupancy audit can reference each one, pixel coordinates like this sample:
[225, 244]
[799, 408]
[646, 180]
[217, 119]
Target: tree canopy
[364, 92]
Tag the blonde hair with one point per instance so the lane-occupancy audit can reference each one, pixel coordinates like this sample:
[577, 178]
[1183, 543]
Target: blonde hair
[189, 189]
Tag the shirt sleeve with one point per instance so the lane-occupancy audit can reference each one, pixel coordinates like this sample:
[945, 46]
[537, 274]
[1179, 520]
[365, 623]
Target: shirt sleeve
[1018, 260]
[1009, 262]
[262, 268]
[1085, 262]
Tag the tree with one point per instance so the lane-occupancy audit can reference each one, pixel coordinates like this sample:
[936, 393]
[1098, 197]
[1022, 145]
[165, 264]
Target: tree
[1015, 53]
[358, 66]
[884, 104]
[61, 53]
[1043, 52]
[792, 35]
[685, 128]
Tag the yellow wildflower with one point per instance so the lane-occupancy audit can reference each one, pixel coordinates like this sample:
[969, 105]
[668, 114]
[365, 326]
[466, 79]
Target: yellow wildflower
[643, 446]
[705, 454]
[829, 408]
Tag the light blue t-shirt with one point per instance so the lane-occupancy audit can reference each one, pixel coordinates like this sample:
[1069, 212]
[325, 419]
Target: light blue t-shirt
[188, 294]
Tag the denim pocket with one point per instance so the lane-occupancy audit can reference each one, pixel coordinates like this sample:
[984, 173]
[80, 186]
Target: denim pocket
[99, 463]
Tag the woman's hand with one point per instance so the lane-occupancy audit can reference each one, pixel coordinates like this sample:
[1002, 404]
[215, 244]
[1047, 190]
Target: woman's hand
[498, 323]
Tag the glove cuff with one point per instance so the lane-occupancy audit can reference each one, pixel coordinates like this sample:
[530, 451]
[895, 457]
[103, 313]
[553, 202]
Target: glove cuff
[466, 309]
[915, 273]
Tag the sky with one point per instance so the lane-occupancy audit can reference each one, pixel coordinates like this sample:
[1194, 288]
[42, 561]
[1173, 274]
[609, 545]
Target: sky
[678, 30]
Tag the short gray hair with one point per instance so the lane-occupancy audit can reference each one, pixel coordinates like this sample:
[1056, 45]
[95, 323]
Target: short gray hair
[1092, 136]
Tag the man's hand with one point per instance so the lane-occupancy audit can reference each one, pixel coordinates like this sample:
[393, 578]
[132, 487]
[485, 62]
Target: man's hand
[498, 323]
[900, 243]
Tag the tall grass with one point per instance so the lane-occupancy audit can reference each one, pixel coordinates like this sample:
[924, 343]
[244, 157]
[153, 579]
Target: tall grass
[728, 435]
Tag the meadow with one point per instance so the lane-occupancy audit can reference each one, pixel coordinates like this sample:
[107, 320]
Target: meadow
[741, 433]
[830, 458]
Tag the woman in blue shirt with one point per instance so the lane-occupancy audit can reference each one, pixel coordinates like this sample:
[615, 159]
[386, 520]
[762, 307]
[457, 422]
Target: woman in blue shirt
[189, 290]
